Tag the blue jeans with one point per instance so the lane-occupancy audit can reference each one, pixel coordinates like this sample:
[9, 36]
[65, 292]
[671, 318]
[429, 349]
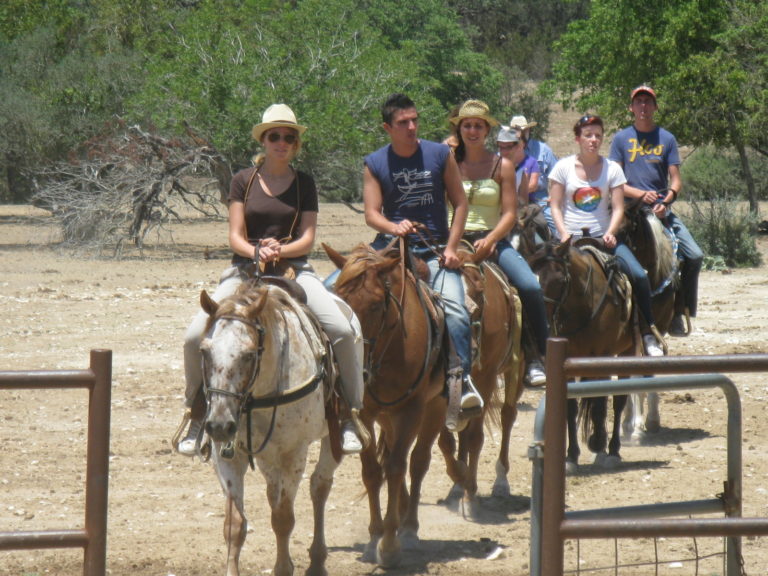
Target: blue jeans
[521, 277]
[449, 285]
[638, 277]
[545, 208]
[692, 257]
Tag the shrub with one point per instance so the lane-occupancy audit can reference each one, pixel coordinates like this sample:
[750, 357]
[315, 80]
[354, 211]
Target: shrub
[725, 230]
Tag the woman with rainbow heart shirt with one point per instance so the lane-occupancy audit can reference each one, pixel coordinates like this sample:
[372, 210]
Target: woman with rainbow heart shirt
[587, 192]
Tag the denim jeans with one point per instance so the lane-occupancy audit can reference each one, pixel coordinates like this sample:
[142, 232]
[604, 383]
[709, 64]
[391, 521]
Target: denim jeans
[638, 277]
[521, 277]
[448, 284]
[692, 257]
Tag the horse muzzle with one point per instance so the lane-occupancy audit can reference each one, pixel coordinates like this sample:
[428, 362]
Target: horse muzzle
[221, 430]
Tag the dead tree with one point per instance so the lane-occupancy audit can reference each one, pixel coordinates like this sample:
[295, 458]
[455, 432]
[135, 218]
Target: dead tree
[120, 187]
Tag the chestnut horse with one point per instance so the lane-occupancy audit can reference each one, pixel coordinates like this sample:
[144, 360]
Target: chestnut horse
[590, 304]
[406, 376]
[654, 246]
[497, 336]
[265, 363]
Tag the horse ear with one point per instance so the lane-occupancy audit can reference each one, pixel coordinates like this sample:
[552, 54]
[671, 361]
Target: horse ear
[335, 257]
[387, 265]
[562, 249]
[255, 308]
[208, 304]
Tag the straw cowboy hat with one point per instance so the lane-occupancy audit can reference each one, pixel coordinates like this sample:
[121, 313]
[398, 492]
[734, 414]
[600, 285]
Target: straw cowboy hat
[276, 116]
[474, 109]
[520, 123]
[507, 134]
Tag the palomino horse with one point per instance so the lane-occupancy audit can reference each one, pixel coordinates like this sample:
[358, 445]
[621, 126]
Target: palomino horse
[497, 316]
[404, 390]
[654, 247]
[265, 363]
[590, 304]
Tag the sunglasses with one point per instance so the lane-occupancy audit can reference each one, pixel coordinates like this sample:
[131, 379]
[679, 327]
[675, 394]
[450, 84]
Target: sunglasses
[276, 136]
[508, 146]
[587, 119]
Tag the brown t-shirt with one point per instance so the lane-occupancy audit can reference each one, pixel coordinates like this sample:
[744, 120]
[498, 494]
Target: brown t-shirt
[272, 216]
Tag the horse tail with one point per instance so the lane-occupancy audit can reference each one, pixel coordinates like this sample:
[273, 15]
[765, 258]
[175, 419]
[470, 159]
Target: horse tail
[585, 415]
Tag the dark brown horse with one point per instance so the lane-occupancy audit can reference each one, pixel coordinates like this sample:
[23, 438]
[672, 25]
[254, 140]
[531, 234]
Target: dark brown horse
[406, 376]
[653, 246]
[590, 304]
[497, 336]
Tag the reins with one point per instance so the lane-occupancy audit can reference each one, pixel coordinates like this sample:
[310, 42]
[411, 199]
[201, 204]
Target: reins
[371, 364]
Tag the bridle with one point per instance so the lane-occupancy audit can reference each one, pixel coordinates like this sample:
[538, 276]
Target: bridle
[246, 402]
[559, 303]
[375, 351]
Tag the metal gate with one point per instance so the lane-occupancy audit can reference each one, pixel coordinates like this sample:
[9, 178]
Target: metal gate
[93, 537]
[551, 526]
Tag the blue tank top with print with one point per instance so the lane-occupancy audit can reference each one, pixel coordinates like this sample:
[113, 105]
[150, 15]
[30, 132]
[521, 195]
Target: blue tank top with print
[413, 187]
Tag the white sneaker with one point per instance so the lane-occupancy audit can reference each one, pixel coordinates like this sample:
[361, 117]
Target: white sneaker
[652, 347]
[350, 442]
[188, 445]
[535, 375]
[471, 401]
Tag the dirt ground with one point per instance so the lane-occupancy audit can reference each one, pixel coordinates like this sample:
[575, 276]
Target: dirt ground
[166, 511]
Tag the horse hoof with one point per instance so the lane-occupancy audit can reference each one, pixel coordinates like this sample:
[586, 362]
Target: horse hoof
[571, 468]
[611, 462]
[637, 438]
[456, 493]
[387, 558]
[600, 459]
[409, 540]
[369, 554]
[501, 489]
[652, 426]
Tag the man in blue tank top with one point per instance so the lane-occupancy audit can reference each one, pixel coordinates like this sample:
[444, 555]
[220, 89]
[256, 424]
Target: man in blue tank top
[651, 162]
[407, 182]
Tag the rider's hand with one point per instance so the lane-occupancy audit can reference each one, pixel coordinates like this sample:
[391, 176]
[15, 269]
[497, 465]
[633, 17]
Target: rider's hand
[650, 196]
[403, 228]
[483, 248]
[660, 210]
[450, 259]
[609, 240]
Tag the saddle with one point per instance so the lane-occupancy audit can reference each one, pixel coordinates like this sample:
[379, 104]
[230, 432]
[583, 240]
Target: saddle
[280, 274]
[622, 288]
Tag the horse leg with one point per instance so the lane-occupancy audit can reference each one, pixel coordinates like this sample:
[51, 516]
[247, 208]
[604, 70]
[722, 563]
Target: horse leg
[231, 475]
[508, 416]
[633, 418]
[594, 423]
[282, 485]
[395, 465]
[373, 478]
[431, 424]
[455, 469]
[572, 455]
[614, 446]
[653, 419]
[320, 487]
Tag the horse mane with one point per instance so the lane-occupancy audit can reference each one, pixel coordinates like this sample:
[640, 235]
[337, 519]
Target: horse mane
[254, 300]
[665, 263]
[359, 260]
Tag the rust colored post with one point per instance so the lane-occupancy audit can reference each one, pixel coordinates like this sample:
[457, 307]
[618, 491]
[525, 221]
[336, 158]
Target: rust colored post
[553, 496]
[97, 473]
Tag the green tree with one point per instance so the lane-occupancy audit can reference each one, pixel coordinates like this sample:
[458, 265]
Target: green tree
[219, 65]
[693, 52]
